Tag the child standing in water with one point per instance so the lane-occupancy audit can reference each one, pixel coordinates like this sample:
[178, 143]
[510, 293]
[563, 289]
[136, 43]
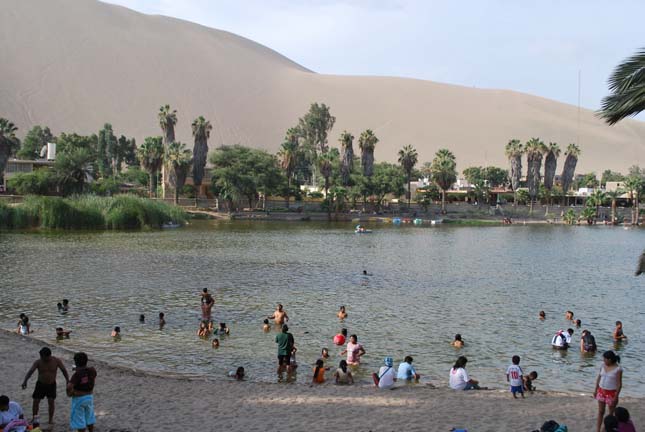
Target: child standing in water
[266, 327]
[618, 332]
[458, 342]
[319, 373]
[514, 377]
[608, 385]
[354, 351]
[341, 313]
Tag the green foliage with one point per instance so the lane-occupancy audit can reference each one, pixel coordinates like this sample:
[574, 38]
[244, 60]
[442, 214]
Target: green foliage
[106, 186]
[387, 179]
[491, 176]
[39, 182]
[107, 146]
[522, 196]
[89, 212]
[315, 126]
[627, 87]
[34, 141]
[9, 143]
[135, 175]
[586, 181]
[570, 217]
[610, 176]
[72, 168]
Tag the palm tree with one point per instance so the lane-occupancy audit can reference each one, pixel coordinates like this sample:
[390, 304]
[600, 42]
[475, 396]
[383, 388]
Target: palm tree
[596, 199]
[178, 158]
[73, 167]
[551, 164]
[367, 142]
[167, 122]
[150, 155]
[325, 163]
[201, 131]
[347, 162]
[572, 153]
[8, 142]
[408, 158]
[514, 151]
[288, 156]
[444, 173]
[613, 196]
[627, 87]
[634, 185]
[534, 149]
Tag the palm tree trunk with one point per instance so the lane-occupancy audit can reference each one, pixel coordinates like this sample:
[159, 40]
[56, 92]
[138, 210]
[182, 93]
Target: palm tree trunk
[409, 193]
[531, 205]
[443, 201]
[613, 211]
[288, 191]
[176, 195]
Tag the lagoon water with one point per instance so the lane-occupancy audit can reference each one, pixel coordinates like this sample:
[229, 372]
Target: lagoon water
[425, 285]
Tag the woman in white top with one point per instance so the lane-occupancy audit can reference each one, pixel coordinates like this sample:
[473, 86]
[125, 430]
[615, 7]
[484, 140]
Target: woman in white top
[608, 385]
[386, 375]
[459, 379]
[343, 375]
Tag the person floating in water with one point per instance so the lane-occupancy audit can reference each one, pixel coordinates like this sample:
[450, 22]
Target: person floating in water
[342, 314]
[116, 334]
[569, 316]
[618, 332]
[62, 333]
[542, 315]
[162, 320]
[458, 342]
[215, 343]
[238, 374]
[280, 315]
[142, 319]
[203, 331]
[223, 329]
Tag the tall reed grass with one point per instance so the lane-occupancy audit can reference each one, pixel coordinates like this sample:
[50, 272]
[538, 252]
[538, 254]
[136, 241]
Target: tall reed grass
[89, 212]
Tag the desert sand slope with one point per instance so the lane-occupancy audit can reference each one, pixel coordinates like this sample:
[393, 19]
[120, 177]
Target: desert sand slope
[76, 64]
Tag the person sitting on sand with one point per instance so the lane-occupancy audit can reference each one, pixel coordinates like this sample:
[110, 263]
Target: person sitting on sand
[542, 315]
[238, 374]
[319, 373]
[528, 381]
[459, 379]
[116, 333]
[215, 343]
[162, 320]
[624, 422]
[561, 340]
[618, 332]
[458, 342]
[223, 329]
[280, 315]
[386, 376]
[11, 414]
[587, 342]
[342, 314]
[341, 337]
[62, 333]
[354, 351]
[406, 371]
[266, 327]
[203, 330]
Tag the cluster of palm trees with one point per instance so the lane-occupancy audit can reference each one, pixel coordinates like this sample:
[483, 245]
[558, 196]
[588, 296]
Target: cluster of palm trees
[536, 151]
[172, 157]
[8, 142]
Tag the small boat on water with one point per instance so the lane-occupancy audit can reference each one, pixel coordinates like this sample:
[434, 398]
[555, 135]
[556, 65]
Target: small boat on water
[436, 221]
[361, 230]
[170, 225]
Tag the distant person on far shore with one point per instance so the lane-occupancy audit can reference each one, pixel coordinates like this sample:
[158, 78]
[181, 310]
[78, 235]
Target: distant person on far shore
[406, 371]
[162, 320]
[61, 333]
[618, 332]
[528, 381]
[342, 314]
[459, 379]
[608, 385]
[354, 351]
[266, 327]
[80, 388]
[458, 342]
[542, 315]
[342, 374]
[116, 333]
[47, 366]
[514, 376]
[280, 315]
[587, 342]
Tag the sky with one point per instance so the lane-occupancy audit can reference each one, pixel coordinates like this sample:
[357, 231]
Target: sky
[541, 48]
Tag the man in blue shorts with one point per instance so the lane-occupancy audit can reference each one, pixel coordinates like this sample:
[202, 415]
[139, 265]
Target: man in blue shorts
[80, 388]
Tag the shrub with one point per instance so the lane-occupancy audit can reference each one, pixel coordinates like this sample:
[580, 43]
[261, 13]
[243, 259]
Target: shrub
[39, 182]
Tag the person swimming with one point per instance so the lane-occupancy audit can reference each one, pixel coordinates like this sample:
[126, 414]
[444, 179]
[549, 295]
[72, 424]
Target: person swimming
[116, 333]
[62, 334]
[266, 327]
[342, 314]
[223, 329]
[238, 374]
[542, 315]
[215, 343]
[458, 342]
[142, 319]
[162, 320]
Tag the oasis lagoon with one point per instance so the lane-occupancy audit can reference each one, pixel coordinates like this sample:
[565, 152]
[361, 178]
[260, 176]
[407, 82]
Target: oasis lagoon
[424, 285]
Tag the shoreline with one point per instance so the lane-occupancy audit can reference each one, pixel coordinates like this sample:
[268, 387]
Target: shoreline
[135, 400]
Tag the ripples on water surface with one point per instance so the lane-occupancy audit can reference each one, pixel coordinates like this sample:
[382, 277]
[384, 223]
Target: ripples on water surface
[426, 285]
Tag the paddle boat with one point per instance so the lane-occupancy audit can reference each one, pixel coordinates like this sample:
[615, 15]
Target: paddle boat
[361, 230]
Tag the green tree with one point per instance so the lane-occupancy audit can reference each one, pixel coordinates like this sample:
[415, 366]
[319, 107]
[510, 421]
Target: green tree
[596, 199]
[534, 149]
[167, 121]
[613, 196]
[367, 143]
[34, 141]
[288, 157]
[495, 176]
[627, 90]
[387, 179]
[408, 158]
[444, 173]
[150, 155]
[569, 217]
[610, 176]
[568, 171]
[40, 182]
[201, 132]
[514, 151]
[347, 162]
[106, 149]
[588, 214]
[634, 185]
[315, 126]
[73, 168]
[9, 143]
[551, 164]
[178, 158]
[326, 164]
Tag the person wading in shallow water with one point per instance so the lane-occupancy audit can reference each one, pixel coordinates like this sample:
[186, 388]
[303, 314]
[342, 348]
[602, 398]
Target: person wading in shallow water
[47, 366]
[279, 316]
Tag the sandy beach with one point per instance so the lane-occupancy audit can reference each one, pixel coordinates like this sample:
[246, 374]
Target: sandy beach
[134, 401]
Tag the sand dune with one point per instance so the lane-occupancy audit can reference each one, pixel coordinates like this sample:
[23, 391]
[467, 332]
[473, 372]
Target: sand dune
[76, 64]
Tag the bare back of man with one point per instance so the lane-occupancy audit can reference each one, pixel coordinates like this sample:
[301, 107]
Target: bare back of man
[47, 367]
